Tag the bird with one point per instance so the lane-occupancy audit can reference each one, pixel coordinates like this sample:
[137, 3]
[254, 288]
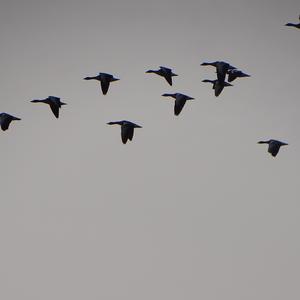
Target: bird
[234, 73]
[105, 80]
[5, 120]
[164, 72]
[221, 67]
[294, 25]
[274, 146]
[217, 85]
[180, 100]
[54, 102]
[127, 129]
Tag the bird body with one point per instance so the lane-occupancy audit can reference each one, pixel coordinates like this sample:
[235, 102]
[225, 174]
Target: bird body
[274, 146]
[127, 129]
[5, 120]
[105, 79]
[164, 72]
[54, 103]
[180, 100]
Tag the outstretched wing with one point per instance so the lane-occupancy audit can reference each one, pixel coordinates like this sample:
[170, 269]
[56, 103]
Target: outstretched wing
[5, 123]
[218, 88]
[273, 149]
[55, 109]
[168, 77]
[222, 69]
[178, 106]
[126, 133]
[104, 86]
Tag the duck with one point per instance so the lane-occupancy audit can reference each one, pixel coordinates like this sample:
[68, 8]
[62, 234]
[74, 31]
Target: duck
[105, 80]
[235, 73]
[274, 146]
[5, 120]
[294, 25]
[180, 100]
[54, 102]
[221, 67]
[127, 129]
[217, 85]
[164, 72]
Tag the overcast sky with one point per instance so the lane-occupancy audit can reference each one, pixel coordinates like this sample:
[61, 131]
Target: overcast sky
[193, 208]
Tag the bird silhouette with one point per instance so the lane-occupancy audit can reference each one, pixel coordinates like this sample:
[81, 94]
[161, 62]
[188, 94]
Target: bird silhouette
[105, 80]
[164, 72]
[5, 120]
[274, 146]
[127, 129]
[54, 103]
[180, 100]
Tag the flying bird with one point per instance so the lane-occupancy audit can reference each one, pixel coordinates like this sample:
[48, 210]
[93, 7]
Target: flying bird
[234, 73]
[180, 100]
[127, 129]
[294, 25]
[5, 120]
[274, 146]
[105, 80]
[164, 72]
[54, 102]
[217, 85]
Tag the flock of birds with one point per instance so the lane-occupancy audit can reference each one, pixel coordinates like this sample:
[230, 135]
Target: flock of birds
[127, 128]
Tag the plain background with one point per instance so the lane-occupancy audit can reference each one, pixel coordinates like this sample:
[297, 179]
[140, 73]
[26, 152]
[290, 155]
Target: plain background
[192, 208]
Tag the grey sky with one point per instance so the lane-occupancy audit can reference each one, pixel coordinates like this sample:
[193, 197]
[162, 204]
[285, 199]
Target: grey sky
[191, 209]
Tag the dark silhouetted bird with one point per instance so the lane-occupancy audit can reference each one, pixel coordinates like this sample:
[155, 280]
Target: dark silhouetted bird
[274, 146]
[294, 25]
[127, 129]
[54, 102]
[234, 73]
[217, 85]
[164, 72]
[180, 100]
[105, 80]
[5, 120]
